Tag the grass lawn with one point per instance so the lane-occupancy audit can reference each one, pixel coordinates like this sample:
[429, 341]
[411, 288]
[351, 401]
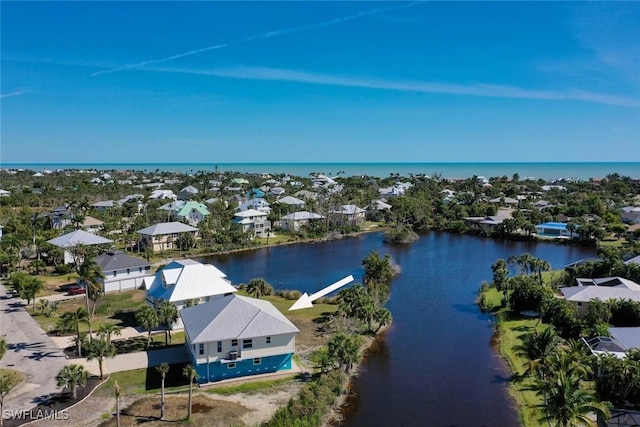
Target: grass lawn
[509, 332]
[54, 284]
[117, 308]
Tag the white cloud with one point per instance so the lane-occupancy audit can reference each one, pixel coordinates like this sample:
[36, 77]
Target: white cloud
[479, 89]
[14, 93]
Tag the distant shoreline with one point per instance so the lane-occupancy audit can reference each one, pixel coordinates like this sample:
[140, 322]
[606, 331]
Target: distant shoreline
[537, 170]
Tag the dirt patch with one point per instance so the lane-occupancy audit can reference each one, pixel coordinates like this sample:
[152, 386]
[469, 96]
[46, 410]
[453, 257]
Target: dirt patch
[206, 411]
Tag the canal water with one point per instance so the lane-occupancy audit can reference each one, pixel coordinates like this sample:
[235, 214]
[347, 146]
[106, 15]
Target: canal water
[435, 365]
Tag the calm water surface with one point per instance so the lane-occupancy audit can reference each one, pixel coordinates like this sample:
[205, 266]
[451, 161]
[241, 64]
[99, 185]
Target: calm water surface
[435, 365]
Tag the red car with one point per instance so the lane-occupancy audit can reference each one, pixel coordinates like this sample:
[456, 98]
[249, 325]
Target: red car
[76, 290]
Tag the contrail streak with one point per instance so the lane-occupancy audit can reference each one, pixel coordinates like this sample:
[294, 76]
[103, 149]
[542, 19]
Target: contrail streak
[267, 35]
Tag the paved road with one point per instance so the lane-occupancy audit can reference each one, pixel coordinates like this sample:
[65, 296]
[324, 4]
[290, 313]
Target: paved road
[30, 351]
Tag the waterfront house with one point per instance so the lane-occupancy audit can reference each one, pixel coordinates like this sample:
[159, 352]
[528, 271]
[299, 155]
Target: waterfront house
[296, 220]
[163, 236]
[122, 271]
[610, 288]
[554, 229]
[350, 213]
[619, 341]
[187, 280]
[252, 221]
[237, 336]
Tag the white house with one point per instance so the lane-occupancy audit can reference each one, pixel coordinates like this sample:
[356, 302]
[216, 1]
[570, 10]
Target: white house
[188, 192]
[162, 194]
[185, 280]
[554, 229]
[237, 336]
[292, 201]
[295, 220]
[257, 203]
[122, 271]
[620, 341]
[252, 221]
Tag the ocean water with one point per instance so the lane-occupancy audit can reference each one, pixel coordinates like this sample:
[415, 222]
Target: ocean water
[547, 171]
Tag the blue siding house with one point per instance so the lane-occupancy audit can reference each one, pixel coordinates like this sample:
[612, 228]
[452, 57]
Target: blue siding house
[553, 229]
[237, 336]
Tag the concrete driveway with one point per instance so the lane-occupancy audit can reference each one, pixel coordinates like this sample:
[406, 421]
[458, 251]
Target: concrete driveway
[30, 351]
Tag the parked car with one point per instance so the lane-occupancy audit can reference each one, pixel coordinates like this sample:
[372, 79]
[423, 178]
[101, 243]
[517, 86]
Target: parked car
[76, 290]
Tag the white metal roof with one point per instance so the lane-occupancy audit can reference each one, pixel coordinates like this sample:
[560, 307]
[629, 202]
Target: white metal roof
[78, 237]
[186, 279]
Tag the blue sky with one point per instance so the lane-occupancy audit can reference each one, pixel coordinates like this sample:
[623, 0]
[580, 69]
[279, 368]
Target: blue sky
[320, 81]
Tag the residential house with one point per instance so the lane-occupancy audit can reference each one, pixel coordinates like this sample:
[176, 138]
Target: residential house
[292, 201]
[611, 288]
[5, 193]
[122, 271]
[192, 212]
[104, 205]
[163, 236]
[387, 192]
[276, 191]
[296, 220]
[350, 213]
[91, 224]
[252, 221]
[554, 229]
[162, 194]
[188, 193]
[76, 238]
[631, 214]
[256, 203]
[306, 195]
[619, 341]
[509, 202]
[187, 280]
[237, 336]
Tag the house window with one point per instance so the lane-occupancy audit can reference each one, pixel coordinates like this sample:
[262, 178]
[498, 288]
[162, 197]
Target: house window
[234, 343]
[201, 349]
[268, 340]
[247, 343]
[231, 365]
[579, 304]
[256, 360]
[115, 274]
[128, 271]
[139, 269]
[219, 346]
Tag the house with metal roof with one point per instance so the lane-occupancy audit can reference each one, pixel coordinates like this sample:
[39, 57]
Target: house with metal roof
[237, 336]
[76, 238]
[187, 280]
[554, 229]
[350, 213]
[257, 203]
[164, 235]
[188, 192]
[192, 212]
[252, 221]
[121, 271]
[296, 220]
[292, 201]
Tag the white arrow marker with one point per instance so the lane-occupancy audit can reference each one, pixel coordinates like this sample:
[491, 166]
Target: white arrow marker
[305, 301]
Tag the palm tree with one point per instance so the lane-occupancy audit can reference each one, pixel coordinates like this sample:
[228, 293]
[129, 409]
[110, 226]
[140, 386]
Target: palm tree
[148, 319]
[167, 315]
[567, 403]
[259, 287]
[376, 269]
[91, 276]
[99, 349]
[72, 376]
[71, 320]
[190, 372]
[383, 317]
[31, 289]
[163, 369]
[501, 277]
[107, 330]
[536, 347]
[345, 349]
